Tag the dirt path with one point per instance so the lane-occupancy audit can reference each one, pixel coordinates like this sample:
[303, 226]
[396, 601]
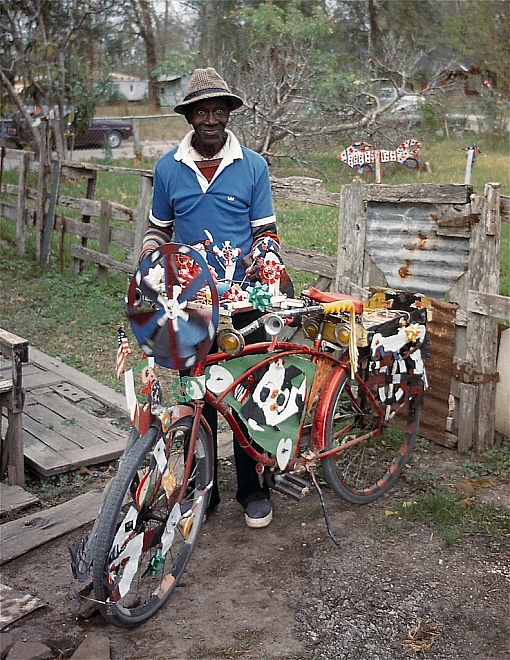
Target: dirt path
[289, 593]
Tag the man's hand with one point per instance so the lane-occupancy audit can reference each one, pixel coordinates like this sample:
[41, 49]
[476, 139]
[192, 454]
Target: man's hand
[259, 250]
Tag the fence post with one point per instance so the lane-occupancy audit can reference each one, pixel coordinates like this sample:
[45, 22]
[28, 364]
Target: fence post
[21, 220]
[142, 213]
[351, 237]
[42, 192]
[477, 400]
[50, 214]
[104, 236]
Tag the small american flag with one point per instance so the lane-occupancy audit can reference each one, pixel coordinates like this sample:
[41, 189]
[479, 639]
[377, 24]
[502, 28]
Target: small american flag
[123, 351]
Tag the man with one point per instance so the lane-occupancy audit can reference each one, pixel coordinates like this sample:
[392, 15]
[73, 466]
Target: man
[213, 192]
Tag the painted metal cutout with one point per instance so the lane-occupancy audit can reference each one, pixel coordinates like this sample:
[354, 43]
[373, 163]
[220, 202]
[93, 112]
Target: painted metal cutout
[283, 452]
[362, 157]
[270, 398]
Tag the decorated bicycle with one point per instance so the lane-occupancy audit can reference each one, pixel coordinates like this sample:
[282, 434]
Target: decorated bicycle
[341, 406]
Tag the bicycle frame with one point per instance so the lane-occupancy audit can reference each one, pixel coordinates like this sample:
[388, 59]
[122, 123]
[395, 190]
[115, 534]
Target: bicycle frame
[270, 352]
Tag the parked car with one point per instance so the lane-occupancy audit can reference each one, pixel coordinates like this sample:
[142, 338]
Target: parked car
[91, 133]
[407, 111]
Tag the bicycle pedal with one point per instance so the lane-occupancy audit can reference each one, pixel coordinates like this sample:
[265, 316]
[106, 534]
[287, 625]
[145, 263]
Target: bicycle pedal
[292, 485]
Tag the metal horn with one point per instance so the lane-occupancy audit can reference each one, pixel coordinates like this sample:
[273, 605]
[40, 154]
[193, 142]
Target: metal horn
[273, 324]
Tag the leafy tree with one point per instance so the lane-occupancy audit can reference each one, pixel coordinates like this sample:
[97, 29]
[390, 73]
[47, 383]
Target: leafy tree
[480, 30]
[48, 48]
[145, 20]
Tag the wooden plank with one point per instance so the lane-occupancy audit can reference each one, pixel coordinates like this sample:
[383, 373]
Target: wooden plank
[104, 237]
[5, 385]
[86, 383]
[71, 169]
[14, 605]
[10, 344]
[60, 409]
[467, 405]
[303, 189]
[489, 304]
[482, 331]
[43, 459]
[25, 534]
[351, 235]
[15, 497]
[310, 262]
[86, 254]
[91, 207]
[425, 193]
[142, 211]
[504, 208]
[119, 236]
[47, 462]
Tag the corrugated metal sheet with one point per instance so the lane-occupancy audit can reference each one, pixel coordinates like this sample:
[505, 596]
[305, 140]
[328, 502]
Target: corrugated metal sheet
[441, 336]
[404, 242]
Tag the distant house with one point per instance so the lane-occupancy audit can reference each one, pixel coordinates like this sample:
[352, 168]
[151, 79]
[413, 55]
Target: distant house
[171, 89]
[463, 81]
[130, 88]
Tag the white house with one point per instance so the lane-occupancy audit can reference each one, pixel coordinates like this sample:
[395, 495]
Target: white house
[129, 87]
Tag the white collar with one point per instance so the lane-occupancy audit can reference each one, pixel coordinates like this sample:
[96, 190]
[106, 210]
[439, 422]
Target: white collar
[230, 151]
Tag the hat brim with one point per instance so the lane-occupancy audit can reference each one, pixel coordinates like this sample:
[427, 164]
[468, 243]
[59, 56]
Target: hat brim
[234, 101]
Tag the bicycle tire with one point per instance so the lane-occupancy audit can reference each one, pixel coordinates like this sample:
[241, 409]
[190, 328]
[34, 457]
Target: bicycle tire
[363, 472]
[146, 535]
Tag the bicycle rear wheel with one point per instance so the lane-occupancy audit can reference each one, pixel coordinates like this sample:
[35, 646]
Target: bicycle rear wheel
[378, 438]
[147, 532]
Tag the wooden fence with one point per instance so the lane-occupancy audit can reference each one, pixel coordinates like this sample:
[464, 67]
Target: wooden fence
[461, 404]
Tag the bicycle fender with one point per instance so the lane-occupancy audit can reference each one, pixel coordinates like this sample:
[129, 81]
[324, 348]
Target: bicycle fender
[319, 425]
[180, 411]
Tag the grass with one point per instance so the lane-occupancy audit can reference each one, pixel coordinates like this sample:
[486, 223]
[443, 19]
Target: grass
[454, 516]
[437, 498]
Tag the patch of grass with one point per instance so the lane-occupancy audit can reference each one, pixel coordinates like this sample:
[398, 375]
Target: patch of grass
[454, 516]
[73, 318]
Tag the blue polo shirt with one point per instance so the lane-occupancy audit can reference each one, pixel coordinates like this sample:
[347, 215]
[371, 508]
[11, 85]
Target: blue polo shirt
[225, 212]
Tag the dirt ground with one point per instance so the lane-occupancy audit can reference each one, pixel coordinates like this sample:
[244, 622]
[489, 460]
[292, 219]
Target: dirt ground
[288, 592]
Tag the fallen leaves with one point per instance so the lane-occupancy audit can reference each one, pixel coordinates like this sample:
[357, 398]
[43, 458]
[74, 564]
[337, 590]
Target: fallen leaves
[470, 485]
[421, 638]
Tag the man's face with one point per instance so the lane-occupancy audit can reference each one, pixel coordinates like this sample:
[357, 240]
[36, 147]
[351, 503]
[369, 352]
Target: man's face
[209, 119]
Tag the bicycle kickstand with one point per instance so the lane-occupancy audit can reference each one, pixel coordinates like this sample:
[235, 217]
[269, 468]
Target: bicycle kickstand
[311, 470]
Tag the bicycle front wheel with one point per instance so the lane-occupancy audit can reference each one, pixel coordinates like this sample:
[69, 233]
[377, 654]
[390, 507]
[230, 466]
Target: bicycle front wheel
[147, 530]
[377, 438]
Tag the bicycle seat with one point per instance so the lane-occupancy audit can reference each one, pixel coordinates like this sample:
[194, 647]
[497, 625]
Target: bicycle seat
[332, 296]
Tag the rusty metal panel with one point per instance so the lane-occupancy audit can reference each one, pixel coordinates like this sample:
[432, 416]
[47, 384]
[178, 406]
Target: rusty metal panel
[408, 246]
[441, 335]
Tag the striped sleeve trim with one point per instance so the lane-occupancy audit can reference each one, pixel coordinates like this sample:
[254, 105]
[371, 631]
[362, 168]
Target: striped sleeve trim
[262, 222]
[156, 222]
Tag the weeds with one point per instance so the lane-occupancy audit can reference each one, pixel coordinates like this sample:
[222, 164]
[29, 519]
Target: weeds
[495, 461]
[454, 516]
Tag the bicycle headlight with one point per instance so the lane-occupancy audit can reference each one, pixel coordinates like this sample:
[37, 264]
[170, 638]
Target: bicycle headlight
[342, 333]
[230, 341]
[311, 327]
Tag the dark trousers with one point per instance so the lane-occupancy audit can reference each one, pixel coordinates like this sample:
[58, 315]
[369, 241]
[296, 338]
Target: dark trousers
[249, 488]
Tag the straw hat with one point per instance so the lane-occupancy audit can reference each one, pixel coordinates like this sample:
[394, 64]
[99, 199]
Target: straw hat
[207, 84]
